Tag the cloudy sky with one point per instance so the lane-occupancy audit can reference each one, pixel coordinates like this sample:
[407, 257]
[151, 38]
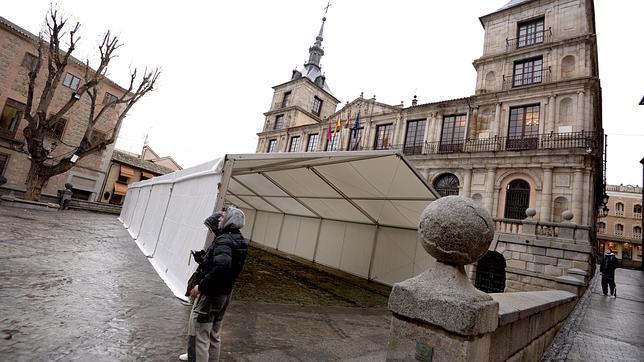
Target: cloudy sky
[219, 60]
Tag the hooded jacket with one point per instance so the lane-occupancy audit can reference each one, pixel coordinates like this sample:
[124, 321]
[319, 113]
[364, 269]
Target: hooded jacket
[225, 257]
[609, 264]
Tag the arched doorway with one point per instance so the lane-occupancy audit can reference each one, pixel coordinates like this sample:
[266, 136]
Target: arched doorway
[490, 273]
[446, 184]
[517, 199]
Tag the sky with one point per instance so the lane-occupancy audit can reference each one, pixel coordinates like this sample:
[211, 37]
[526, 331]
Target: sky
[220, 60]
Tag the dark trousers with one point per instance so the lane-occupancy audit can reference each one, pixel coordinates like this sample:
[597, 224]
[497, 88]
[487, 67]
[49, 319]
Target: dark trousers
[608, 280]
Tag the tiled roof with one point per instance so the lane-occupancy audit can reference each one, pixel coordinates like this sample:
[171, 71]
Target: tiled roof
[134, 161]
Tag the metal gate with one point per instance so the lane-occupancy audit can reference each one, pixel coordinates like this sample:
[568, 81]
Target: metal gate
[490, 273]
[517, 200]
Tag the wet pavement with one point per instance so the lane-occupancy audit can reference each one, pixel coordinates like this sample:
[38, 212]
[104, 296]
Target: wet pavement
[75, 287]
[612, 329]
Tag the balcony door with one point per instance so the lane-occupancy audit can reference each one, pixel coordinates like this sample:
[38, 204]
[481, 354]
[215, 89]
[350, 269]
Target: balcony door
[523, 132]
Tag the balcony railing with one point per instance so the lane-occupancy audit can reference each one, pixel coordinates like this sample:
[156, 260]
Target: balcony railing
[527, 79]
[539, 37]
[545, 141]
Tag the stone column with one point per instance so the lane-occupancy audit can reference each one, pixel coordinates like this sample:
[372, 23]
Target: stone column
[489, 190]
[552, 109]
[497, 119]
[467, 182]
[585, 217]
[546, 195]
[439, 315]
[581, 120]
[577, 195]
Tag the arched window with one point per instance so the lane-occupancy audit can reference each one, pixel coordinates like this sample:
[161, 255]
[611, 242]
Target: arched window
[637, 209]
[490, 273]
[517, 199]
[446, 184]
[619, 229]
[601, 227]
[637, 232]
[619, 209]
[560, 205]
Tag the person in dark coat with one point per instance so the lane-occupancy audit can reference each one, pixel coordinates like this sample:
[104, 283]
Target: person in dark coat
[222, 264]
[607, 268]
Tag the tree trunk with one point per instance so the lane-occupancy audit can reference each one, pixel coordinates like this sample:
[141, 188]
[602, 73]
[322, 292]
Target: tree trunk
[35, 182]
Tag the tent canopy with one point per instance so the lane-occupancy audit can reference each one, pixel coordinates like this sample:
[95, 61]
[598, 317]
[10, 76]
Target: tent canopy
[374, 187]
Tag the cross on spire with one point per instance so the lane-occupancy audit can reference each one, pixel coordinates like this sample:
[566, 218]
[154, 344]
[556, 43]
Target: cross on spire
[326, 8]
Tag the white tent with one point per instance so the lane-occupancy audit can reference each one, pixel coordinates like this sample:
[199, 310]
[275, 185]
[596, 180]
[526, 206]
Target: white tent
[354, 211]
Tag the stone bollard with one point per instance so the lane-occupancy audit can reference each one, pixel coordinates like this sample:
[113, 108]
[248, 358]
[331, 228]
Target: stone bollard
[439, 315]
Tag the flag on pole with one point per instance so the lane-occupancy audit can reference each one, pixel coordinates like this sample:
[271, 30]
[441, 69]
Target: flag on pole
[356, 125]
[338, 125]
[328, 132]
[346, 123]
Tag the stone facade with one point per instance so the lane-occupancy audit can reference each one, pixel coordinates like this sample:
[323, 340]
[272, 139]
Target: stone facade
[530, 137]
[16, 46]
[621, 230]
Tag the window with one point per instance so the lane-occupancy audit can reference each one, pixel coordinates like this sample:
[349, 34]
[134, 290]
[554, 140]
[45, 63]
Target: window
[11, 116]
[109, 98]
[523, 132]
[272, 145]
[627, 251]
[527, 72]
[312, 144]
[446, 184]
[601, 227]
[334, 143]
[619, 229]
[58, 128]
[637, 232]
[4, 161]
[619, 209]
[530, 32]
[279, 122]
[637, 211]
[286, 100]
[517, 199]
[414, 138]
[490, 273]
[29, 61]
[71, 81]
[355, 139]
[383, 136]
[294, 146]
[317, 106]
[453, 133]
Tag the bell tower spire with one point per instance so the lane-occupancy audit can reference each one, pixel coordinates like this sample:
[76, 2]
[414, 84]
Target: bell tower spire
[316, 52]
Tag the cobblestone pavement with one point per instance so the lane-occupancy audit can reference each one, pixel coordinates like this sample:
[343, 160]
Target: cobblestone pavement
[612, 329]
[74, 287]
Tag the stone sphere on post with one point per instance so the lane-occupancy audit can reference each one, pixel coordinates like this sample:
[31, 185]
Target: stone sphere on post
[456, 230]
[567, 215]
[530, 212]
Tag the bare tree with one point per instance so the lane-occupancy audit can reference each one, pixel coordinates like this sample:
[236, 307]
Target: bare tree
[41, 118]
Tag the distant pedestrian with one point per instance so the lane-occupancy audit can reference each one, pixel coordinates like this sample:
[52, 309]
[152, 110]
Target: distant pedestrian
[221, 265]
[607, 268]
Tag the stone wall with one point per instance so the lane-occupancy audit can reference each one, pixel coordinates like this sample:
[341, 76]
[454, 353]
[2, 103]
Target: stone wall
[528, 322]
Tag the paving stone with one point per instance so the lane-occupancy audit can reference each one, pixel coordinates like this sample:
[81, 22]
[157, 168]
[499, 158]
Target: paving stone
[75, 287]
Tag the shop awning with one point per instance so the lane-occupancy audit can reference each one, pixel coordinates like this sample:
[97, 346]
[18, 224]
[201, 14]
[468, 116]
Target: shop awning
[120, 189]
[127, 171]
[147, 175]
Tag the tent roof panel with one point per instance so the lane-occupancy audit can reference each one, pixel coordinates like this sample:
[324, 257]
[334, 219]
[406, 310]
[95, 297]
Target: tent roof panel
[373, 187]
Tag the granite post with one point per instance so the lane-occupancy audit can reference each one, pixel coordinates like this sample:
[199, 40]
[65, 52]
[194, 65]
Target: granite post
[439, 315]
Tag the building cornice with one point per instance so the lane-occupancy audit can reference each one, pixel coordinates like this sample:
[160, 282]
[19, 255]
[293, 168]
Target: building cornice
[531, 49]
[305, 79]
